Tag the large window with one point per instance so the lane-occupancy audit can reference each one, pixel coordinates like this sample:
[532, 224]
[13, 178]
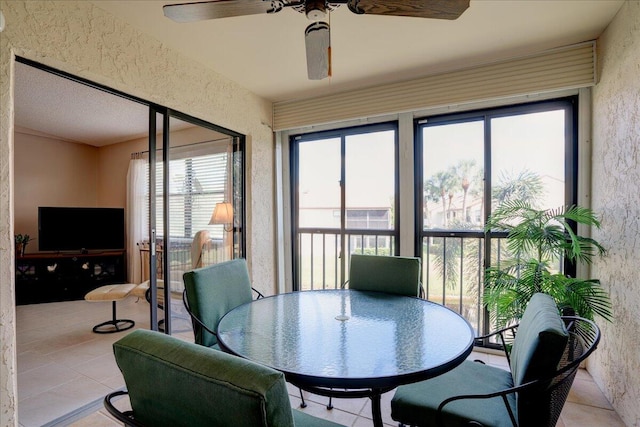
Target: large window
[467, 164]
[345, 201]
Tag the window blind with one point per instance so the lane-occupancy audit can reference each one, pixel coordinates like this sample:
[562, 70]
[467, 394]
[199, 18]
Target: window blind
[563, 68]
[197, 181]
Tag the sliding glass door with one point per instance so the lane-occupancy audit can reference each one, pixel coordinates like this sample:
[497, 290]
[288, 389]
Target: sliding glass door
[195, 208]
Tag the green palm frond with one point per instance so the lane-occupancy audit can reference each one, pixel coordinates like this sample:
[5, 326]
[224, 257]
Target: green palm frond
[588, 298]
[536, 239]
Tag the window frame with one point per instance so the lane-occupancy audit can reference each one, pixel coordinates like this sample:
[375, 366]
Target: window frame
[342, 230]
[570, 106]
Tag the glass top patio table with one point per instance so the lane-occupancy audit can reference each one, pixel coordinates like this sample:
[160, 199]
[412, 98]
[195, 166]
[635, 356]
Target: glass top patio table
[347, 339]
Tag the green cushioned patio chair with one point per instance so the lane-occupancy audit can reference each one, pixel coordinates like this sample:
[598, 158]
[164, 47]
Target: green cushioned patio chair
[390, 274]
[175, 383]
[211, 292]
[546, 354]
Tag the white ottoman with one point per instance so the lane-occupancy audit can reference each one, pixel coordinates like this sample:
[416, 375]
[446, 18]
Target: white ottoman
[113, 293]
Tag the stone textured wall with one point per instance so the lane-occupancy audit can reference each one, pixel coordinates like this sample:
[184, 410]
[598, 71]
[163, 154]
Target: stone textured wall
[76, 37]
[616, 197]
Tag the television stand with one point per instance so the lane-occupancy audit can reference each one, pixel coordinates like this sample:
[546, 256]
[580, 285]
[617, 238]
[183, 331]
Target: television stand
[52, 277]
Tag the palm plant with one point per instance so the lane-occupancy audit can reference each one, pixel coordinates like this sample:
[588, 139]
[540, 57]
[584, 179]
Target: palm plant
[537, 240]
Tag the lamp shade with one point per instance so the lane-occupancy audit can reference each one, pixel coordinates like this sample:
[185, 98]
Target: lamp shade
[222, 214]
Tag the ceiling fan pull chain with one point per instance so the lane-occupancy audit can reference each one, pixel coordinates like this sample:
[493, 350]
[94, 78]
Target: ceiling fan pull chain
[329, 50]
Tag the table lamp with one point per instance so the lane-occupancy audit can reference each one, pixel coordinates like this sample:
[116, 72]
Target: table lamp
[223, 214]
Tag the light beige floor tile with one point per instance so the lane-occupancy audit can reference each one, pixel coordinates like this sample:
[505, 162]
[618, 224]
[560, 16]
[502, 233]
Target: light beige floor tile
[57, 402]
[385, 406]
[82, 353]
[43, 378]
[97, 419]
[29, 360]
[353, 406]
[114, 383]
[583, 374]
[586, 392]
[100, 368]
[321, 411]
[575, 415]
[24, 338]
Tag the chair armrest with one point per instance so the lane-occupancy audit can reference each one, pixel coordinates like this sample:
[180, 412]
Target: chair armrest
[124, 417]
[504, 393]
[501, 333]
[200, 322]
[257, 292]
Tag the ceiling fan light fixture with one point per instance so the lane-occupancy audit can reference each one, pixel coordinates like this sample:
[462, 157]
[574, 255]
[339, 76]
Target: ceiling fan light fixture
[315, 9]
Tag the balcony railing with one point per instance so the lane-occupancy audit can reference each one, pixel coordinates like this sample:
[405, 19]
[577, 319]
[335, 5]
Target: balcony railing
[452, 265]
[319, 264]
[214, 251]
[452, 274]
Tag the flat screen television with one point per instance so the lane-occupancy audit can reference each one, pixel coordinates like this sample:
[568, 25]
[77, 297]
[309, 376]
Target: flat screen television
[80, 229]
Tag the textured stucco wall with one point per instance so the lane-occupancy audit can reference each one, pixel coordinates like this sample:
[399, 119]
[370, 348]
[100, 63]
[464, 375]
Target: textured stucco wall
[616, 196]
[78, 38]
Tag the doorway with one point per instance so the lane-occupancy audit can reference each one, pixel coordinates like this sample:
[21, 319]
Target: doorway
[73, 144]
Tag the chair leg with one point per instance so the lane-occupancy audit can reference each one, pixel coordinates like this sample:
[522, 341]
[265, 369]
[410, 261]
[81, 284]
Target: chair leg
[330, 404]
[303, 404]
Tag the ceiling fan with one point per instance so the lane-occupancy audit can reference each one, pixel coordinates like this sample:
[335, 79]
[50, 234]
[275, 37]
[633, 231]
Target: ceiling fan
[317, 39]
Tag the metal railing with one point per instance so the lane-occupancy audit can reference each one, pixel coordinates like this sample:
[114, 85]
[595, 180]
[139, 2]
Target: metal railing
[213, 252]
[453, 264]
[452, 267]
[319, 263]
[453, 273]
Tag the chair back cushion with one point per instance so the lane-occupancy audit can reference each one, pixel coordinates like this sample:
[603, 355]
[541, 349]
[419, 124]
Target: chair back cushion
[539, 344]
[390, 274]
[176, 383]
[215, 290]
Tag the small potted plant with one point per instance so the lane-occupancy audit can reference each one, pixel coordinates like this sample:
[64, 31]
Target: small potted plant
[536, 242]
[21, 242]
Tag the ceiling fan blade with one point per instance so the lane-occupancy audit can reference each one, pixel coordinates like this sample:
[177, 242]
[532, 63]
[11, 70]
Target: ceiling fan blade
[318, 45]
[438, 9]
[191, 12]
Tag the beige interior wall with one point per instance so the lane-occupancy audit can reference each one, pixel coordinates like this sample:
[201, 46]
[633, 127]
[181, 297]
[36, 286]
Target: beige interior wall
[81, 39]
[615, 365]
[112, 166]
[50, 172]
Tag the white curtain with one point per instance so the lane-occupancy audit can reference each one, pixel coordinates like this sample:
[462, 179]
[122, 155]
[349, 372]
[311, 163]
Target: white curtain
[137, 228]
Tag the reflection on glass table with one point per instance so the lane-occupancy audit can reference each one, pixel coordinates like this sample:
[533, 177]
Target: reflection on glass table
[347, 343]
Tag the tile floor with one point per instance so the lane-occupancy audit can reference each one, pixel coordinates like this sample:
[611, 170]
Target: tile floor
[64, 371]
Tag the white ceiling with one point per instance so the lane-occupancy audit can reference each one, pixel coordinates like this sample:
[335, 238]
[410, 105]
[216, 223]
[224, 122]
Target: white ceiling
[74, 112]
[265, 54]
